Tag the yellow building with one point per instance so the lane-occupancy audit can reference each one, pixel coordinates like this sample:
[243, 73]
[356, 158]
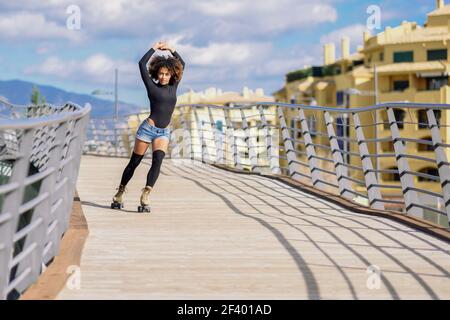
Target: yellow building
[411, 64]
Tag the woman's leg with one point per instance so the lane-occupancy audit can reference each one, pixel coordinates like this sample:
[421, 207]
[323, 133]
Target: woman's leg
[159, 146]
[140, 147]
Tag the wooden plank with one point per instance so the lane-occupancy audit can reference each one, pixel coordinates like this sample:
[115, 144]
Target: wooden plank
[215, 234]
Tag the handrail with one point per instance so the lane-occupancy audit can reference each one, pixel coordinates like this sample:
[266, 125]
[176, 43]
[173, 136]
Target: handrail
[288, 139]
[40, 152]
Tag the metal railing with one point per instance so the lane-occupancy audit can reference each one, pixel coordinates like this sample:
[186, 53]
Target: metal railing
[396, 162]
[40, 151]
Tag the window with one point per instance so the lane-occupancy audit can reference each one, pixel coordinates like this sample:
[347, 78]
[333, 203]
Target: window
[295, 124]
[293, 99]
[311, 125]
[399, 117]
[435, 83]
[317, 71]
[422, 119]
[430, 171]
[219, 125]
[381, 56]
[341, 130]
[425, 147]
[403, 56]
[391, 176]
[400, 85]
[439, 54]
[339, 98]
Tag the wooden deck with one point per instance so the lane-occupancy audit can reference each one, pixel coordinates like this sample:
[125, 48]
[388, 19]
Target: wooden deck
[214, 234]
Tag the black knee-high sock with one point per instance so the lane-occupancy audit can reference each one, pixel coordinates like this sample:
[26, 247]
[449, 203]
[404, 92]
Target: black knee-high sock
[131, 166]
[153, 173]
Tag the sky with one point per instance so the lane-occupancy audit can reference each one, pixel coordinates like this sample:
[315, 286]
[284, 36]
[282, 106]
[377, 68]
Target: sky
[227, 44]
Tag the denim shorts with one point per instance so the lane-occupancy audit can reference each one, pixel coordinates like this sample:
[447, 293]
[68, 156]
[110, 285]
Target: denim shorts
[147, 132]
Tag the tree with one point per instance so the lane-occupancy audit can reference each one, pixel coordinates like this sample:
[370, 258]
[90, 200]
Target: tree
[36, 96]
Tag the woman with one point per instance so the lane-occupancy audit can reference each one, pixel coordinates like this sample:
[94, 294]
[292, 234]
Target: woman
[154, 129]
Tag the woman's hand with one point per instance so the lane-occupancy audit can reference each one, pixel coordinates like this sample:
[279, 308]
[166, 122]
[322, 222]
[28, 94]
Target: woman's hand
[165, 46]
[158, 45]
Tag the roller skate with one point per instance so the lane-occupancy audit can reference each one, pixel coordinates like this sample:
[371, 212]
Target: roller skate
[117, 199]
[145, 203]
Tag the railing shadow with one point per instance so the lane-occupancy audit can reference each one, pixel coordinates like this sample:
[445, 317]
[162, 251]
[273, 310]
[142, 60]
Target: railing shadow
[206, 176]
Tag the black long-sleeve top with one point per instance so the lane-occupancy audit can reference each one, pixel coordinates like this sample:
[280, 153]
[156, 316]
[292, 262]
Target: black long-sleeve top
[163, 98]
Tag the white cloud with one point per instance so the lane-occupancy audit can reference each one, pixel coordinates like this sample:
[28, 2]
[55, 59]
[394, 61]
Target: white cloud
[97, 68]
[224, 43]
[217, 64]
[213, 20]
[226, 53]
[28, 25]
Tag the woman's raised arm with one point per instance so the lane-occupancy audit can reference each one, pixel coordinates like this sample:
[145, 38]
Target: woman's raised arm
[175, 54]
[143, 69]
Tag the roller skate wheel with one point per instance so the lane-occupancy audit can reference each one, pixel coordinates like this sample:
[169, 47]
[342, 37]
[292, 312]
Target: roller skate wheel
[116, 205]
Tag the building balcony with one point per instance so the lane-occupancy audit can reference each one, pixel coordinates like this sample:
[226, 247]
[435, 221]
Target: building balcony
[411, 95]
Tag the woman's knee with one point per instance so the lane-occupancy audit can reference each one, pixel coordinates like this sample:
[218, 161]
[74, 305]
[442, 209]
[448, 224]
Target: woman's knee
[135, 160]
[158, 156]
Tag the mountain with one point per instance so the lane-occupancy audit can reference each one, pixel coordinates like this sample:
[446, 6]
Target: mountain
[19, 92]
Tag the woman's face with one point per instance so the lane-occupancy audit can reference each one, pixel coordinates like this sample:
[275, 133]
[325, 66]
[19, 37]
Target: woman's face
[164, 75]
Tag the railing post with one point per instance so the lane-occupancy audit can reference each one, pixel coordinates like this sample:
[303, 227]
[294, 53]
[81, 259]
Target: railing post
[95, 134]
[441, 160]
[203, 147]
[370, 177]
[116, 147]
[9, 217]
[230, 128]
[105, 137]
[271, 151]
[55, 229]
[187, 135]
[316, 176]
[72, 170]
[406, 179]
[249, 142]
[199, 134]
[130, 139]
[288, 147]
[228, 137]
[218, 155]
[344, 184]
